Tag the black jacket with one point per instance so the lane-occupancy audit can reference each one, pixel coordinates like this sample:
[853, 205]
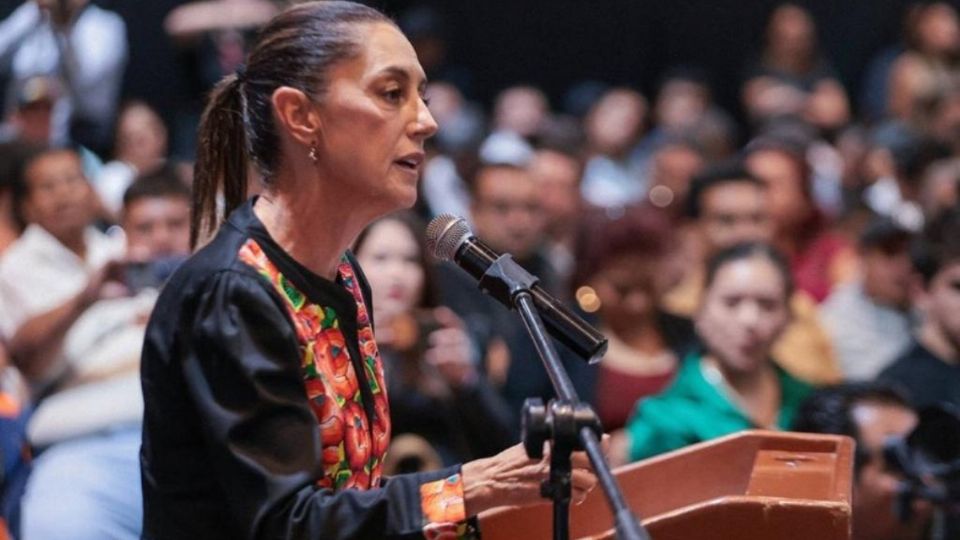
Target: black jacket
[231, 448]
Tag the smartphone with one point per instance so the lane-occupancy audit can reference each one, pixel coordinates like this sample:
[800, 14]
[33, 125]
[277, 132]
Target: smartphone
[151, 274]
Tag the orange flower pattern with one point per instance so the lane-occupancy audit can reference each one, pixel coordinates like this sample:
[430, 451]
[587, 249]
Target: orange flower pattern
[353, 449]
[351, 457]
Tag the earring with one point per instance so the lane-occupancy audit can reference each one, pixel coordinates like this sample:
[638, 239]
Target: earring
[313, 154]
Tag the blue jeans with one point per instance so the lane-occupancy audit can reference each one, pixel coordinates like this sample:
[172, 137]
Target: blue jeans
[86, 488]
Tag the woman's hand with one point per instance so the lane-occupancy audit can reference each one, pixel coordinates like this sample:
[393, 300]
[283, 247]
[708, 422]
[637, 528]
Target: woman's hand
[510, 478]
[450, 351]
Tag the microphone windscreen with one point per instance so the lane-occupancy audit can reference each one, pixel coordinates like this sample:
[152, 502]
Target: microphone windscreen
[445, 234]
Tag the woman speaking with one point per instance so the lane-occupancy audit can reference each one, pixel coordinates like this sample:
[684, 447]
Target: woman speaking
[266, 412]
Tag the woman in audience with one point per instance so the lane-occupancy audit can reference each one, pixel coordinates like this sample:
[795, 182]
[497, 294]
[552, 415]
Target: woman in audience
[730, 384]
[624, 272]
[435, 389]
[819, 258]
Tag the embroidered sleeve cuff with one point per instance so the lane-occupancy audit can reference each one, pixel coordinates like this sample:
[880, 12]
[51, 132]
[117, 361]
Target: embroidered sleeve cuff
[444, 514]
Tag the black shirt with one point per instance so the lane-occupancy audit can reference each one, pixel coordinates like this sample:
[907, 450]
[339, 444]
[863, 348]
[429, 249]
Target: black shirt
[926, 379]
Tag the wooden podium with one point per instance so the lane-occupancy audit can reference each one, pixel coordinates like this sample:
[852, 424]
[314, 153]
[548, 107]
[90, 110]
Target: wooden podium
[752, 485]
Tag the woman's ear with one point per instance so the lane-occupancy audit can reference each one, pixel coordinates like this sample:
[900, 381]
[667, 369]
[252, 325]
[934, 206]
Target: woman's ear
[296, 114]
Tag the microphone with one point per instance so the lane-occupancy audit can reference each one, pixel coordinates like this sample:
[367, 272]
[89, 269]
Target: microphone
[450, 239]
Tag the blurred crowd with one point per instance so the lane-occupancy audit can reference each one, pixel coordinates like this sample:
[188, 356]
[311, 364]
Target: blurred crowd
[797, 268]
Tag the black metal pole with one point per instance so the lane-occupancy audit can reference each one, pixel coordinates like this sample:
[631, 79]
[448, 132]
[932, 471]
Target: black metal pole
[627, 525]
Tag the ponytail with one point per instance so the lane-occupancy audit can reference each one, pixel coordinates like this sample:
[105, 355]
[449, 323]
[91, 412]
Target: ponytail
[296, 49]
[222, 159]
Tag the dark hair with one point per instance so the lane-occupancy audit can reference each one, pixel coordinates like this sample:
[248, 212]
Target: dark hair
[29, 156]
[484, 167]
[642, 230]
[297, 49]
[730, 172]
[415, 226]
[160, 184]
[14, 157]
[748, 250]
[830, 410]
[938, 246]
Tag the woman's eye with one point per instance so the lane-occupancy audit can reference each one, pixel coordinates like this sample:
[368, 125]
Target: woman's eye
[394, 96]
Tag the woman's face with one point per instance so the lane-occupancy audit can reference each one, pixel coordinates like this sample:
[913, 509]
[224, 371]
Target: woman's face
[390, 257]
[743, 312]
[789, 206]
[373, 121]
[629, 288]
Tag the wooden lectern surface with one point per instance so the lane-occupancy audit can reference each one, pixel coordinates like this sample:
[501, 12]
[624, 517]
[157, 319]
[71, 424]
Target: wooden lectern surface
[751, 485]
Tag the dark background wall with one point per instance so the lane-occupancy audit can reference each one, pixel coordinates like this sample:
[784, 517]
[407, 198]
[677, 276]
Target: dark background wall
[556, 43]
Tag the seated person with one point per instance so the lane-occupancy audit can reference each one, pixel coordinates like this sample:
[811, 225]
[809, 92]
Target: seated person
[870, 413]
[75, 309]
[731, 383]
[728, 205]
[434, 386]
[869, 319]
[929, 371]
[624, 273]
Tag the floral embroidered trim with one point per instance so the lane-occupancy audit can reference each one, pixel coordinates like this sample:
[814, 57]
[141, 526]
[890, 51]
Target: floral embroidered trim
[352, 453]
[444, 514]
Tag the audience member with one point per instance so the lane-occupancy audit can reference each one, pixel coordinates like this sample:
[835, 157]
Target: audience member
[12, 157]
[435, 388]
[79, 342]
[558, 174]
[140, 147]
[870, 414]
[930, 62]
[819, 258]
[672, 166]
[85, 48]
[613, 127]
[791, 77]
[727, 206]
[929, 371]
[623, 273]
[731, 384]
[30, 121]
[868, 319]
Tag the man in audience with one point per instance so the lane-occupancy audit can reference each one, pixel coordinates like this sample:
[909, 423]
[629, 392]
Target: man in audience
[727, 205]
[557, 174]
[929, 371]
[869, 413]
[74, 311]
[82, 46]
[507, 215]
[868, 319]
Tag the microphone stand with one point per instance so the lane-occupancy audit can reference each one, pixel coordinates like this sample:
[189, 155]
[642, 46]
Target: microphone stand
[567, 423]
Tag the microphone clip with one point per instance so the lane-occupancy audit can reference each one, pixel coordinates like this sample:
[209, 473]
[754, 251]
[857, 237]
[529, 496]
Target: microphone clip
[505, 279]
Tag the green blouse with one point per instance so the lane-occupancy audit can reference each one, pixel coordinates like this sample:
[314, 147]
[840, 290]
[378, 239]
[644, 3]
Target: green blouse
[693, 409]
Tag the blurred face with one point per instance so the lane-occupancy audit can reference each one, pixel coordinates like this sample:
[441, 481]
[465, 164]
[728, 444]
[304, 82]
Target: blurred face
[59, 198]
[680, 104]
[747, 305]
[629, 288]
[939, 29]
[673, 167]
[157, 227]
[886, 275]
[521, 110]
[557, 177]
[141, 137]
[390, 257]
[943, 303]
[732, 213]
[788, 204]
[614, 123]
[33, 122]
[374, 121]
[791, 31]
[875, 487]
[506, 210]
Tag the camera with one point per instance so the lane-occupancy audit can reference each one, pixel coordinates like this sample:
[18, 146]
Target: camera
[928, 458]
